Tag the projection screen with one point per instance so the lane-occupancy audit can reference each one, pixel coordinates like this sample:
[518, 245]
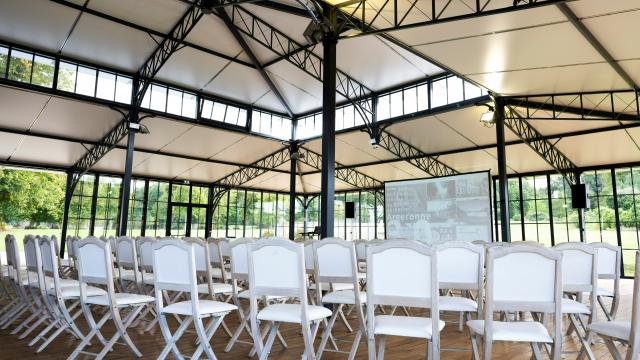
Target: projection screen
[435, 210]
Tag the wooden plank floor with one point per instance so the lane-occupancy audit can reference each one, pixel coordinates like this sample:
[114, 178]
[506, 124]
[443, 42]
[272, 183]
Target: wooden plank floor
[397, 348]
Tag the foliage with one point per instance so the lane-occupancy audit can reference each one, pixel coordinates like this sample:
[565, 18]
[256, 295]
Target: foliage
[35, 197]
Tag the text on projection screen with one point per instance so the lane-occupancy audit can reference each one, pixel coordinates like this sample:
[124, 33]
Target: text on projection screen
[435, 210]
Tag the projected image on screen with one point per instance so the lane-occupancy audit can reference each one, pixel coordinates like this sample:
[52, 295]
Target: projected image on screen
[452, 208]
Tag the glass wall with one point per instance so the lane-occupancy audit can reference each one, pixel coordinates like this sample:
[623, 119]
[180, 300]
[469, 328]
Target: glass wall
[157, 205]
[80, 207]
[107, 206]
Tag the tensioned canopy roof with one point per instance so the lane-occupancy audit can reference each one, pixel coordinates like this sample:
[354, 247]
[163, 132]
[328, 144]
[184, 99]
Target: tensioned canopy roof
[526, 52]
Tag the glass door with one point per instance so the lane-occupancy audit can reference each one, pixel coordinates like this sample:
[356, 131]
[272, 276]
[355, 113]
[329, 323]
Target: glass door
[179, 217]
[197, 221]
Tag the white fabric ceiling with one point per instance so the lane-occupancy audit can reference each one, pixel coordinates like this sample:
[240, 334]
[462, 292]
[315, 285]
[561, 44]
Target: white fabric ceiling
[517, 53]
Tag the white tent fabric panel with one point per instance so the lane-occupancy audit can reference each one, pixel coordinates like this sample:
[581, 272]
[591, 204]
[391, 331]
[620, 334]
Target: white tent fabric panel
[162, 132]
[270, 181]
[207, 172]
[559, 127]
[393, 171]
[211, 33]
[269, 102]
[8, 143]
[76, 119]
[601, 149]
[159, 15]
[312, 183]
[38, 23]
[521, 159]
[239, 83]
[432, 135]
[19, 107]
[591, 8]
[164, 166]
[353, 148]
[202, 142]
[617, 31]
[105, 42]
[114, 161]
[301, 89]
[191, 68]
[48, 151]
[248, 150]
[477, 160]
[292, 25]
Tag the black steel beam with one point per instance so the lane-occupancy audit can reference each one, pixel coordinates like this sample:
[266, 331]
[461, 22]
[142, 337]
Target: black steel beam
[595, 43]
[255, 169]
[346, 174]
[293, 154]
[327, 181]
[394, 15]
[222, 14]
[606, 105]
[547, 151]
[65, 213]
[402, 149]
[149, 31]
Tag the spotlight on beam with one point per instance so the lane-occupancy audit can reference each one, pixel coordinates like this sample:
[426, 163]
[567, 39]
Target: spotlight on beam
[487, 118]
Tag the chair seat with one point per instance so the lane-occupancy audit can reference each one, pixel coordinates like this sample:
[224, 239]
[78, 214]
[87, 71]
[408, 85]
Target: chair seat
[121, 299]
[73, 292]
[205, 307]
[336, 287]
[343, 297]
[410, 326]
[605, 292]
[218, 288]
[216, 273]
[125, 273]
[570, 306]
[525, 331]
[615, 329]
[49, 282]
[245, 294]
[292, 313]
[457, 303]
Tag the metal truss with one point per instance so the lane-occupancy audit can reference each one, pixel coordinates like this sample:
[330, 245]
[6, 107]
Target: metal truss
[532, 137]
[145, 75]
[350, 176]
[302, 56]
[425, 162]
[368, 17]
[608, 105]
[257, 168]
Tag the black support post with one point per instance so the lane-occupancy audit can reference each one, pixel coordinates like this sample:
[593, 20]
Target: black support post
[126, 181]
[65, 212]
[327, 193]
[292, 190]
[503, 189]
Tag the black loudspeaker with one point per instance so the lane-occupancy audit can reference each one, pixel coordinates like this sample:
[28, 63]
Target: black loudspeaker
[579, 198]
[350, 210]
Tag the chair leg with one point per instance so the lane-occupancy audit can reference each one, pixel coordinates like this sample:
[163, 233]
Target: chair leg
[344, 320]
[243, 315]
[355, 345]
[308, 342]
[121, 327]
[487, 348]
[381, 347]
[535, 347]
[612, 349]
[171, 340]
[582, 336]
[371, 346]
[273, 330]
[205, 336]
[327, 331]
[475, 351]
[95, 328]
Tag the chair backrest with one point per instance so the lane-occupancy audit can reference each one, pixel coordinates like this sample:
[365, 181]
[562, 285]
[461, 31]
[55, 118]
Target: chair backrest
[201, 254]
[579, 267]
[94, 262]
[225, 247]
[608, 260]
[403, 273]
[30, 258]
[174, 266]
[49, 254]
[215, 254]
[145, 252]
[239, 259]
[335, 261]
[309, 262]
[361, 249]
[13, 258]
[126, 253]
[276, 267]
[523, 278]
[460, 265]
[526, 242]
[71, 247]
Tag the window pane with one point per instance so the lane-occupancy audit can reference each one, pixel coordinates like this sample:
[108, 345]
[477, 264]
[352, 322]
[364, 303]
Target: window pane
[423, 97]
[207, 107]
[439, 93]
[158, 98]
[20, 66]
[383, 107]
[410, 100]
[242, 118]
[189, 105]
[454, 87]
[396, 104]
[106, 85]
[67, 76]
[471, 91]
[232, 115]
[218, 112]
[124, 87]
[4, 59]
[86, 81]
[174, 102]
[348, 116]
[43, 69]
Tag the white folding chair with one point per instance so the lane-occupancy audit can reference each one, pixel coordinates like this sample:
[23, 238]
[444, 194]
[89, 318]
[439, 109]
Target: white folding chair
[403, 273]
[609, 260]
[216, 258]
[175, 270]
[17, 278]
[521, 279]
[461, 267]
[579, 275]
[95, 266]
[277, 267]
[625, 332]
[335, 262]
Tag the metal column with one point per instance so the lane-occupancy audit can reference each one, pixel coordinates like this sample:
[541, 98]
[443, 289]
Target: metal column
[126, 181]
[503, 190]
[293, 148]
[65, 214]
[327, 190]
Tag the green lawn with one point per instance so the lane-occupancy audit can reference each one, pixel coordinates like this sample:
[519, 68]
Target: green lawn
[21, 233]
